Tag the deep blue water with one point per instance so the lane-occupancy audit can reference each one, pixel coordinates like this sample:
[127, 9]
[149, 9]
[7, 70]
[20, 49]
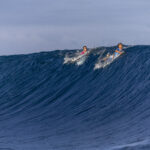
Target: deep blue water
[45, 105]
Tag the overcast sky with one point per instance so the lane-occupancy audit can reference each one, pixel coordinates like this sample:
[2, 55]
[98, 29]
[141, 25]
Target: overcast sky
[28, 26]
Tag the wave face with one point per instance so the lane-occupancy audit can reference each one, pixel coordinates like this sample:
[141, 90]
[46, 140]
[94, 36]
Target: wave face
[46, 105]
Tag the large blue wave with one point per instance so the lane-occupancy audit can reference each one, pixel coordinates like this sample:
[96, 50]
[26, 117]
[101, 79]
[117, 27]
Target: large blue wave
[46, 105]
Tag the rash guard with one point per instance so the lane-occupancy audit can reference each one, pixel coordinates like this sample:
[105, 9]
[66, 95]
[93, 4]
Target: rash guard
[118, 52]
[82, 53]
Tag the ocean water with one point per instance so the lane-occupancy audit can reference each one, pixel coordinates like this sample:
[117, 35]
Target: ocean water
[48, 105]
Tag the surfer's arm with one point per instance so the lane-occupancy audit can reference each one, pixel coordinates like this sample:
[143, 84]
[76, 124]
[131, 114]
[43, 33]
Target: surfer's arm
[104, 59]
[119, 52]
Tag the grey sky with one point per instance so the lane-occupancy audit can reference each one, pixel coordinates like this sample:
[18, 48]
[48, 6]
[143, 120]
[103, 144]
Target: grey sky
[40, 25]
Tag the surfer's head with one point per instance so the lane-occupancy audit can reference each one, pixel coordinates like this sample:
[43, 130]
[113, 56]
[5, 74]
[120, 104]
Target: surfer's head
[108, 54]
[120, 46]
[84, 48]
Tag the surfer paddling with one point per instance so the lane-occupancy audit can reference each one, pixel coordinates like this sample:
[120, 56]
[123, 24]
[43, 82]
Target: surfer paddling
[84, 50]
[119, 51]
[107, 57]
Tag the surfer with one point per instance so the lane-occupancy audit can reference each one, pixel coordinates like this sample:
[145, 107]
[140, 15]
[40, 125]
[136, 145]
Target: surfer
[107, 57]
[84, 50]
[119, 51]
